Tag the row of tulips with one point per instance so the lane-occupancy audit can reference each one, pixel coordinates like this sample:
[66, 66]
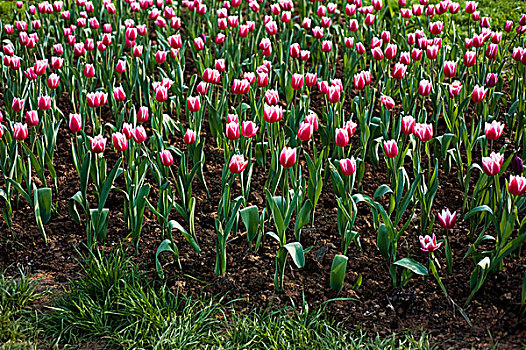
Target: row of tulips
[306, 93]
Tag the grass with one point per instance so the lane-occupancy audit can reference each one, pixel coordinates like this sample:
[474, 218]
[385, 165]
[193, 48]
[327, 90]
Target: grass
[115, 306]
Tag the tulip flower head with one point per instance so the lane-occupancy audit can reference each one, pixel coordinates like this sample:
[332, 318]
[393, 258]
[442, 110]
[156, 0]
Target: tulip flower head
[429, 244]
[492, 164]
[20, 131]
[98, 144]
[390, 148]
[237, 164]
[493, 130]
[348, 166]
[287, 157]
[189, 137]
[424, 132]
[167, 158]
[517, 185]
[248, 129]
[305, 131]
[120, 142]
[446, 219]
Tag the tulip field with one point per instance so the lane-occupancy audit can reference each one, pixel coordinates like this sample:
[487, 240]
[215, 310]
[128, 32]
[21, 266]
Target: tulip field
[362, 155]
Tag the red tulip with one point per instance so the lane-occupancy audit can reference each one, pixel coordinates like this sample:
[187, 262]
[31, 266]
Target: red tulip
[492, 164]
[139, 134]
[478, 94]
[517, 185]
[446, 219]
[470, 58]
[390, 51]
[436, 27]
[121, 66]
[44, 102]
[98, 144]
[424, 132]
[377, 53]
[143, 114]
[271, 97]
[450, 69]
[408, 124]
[189, 137]
[399, 71]
[18, 104]
[493, 130]
[350, 127]
[160, 57]
[53, 81]
[305, 131]
[429, 244]
[287, 157]
[20, 131]
[237, 164]
[248, 129]
[391, 148]
[32, 118]
[313, 120]
[232, 130]
[348, 166]
[359, 81]
[311, 79]
[424, 88]
[120, 142]
[454, 89]
[387, 101]
[334, 94]
[294, 50]
[166, 157]
[193, 103]
[75, 122]
[341, 137]
[272, 114]
[297, 81]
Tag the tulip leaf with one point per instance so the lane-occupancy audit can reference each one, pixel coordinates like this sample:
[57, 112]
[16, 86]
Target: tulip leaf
[413, 265]
[296, 252]
[383, 242]
[382, 191]
[250, 217]
[165, 246]
[338, 270]
[479, 209]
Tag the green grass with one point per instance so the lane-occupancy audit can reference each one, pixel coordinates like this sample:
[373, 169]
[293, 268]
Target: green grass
[17, 330]
[114, 306]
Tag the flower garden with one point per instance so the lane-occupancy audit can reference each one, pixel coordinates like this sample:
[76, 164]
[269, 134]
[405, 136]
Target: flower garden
[363, 159]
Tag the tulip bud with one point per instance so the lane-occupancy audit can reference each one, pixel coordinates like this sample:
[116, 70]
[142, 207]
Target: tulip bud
[75, 122]
[32, 118]
[517, 165]
[98, 144]
[424, 132]
[348, 166]
[20, 131]
[237, 164]
[189, 137]
[408, 124]
[305, 131]
[341, 137]
[492, 164]
[166, 157]
[287, 157]
[249, 129]
[517, 185]
[120, 142]
[193, 103]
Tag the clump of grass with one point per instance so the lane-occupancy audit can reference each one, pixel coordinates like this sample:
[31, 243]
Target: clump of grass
[116, 306]
[17, 320]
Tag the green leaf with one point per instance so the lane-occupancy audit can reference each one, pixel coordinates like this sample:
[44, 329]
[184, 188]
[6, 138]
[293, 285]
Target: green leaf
[295, 250]
[250, 217]
[382, 191]
[165, 246]
[479, 209]
[413, 265]
[383, 242]
[338, 270]
[45, 203]
[114, 173]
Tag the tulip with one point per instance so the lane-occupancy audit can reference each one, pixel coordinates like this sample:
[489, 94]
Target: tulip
[32, 118]
[360, 48]
[436, 27]
[517, 165]
[53, 81]
[390, 51]
[493, 130]
[313, 120]
[142, 114]
[139, 134]
[44, 102]
[287, 157]
[121, 66]
[491, 51]
[160, 57]
[232, 130]
[478, 94]
[166, 157]
[18, 104]
[424, 88]
[454, 89]
[341, 137]
[311, 79]
[119, 94]
[517, 185]
[189, 137]
[387, 102]
[1, 131]
[334, 94]
[237, 164]
[429, 244]
[399, 71]
[249, 129]
[359, 81]
[416, 54]
[199, 44]
[161, 94]
[491, 80]
[350, 127]
[348, 166]
[297, 81]
[75, 122]
[408, 124]
[98, 144]
[424, 132]
[305, 131]
[391, 148]
[450, 69]
[120, 142]
[294, 50]
[271, 97]
[446, 219]
[470, 58]
[20, 131]
[377, 53]
[193, 103]
[272, 114]
[492, 164]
